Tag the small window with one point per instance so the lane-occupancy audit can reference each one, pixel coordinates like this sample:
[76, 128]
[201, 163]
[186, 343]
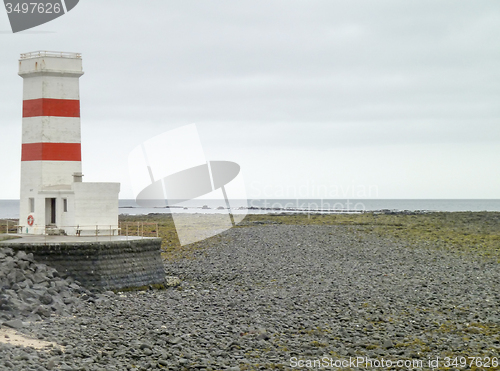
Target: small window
[65, 205]
[32, 205]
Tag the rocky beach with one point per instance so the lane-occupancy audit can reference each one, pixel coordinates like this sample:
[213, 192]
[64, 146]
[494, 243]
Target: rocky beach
[271, 295]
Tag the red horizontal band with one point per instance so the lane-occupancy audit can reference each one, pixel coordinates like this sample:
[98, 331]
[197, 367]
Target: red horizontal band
[51, 152]
[51, 107]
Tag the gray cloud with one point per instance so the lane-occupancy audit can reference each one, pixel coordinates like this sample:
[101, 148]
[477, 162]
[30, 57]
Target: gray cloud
[282, 75]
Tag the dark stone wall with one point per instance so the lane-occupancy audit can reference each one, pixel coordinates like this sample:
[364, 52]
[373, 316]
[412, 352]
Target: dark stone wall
[103, 265]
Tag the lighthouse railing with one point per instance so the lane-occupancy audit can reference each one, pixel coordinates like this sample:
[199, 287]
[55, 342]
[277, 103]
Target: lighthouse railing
[10, 226]
[125, 229]
[46, 53]
[136, 229]
[98, 230]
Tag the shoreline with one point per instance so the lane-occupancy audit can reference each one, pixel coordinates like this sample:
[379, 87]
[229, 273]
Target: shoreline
[460, 231]
[10, 208]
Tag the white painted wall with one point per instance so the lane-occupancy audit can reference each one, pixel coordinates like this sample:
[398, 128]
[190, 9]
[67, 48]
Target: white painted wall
[89, 205]
[43, 179]
[51, 86]
[39, 175]
[96, 204]
[41, 213]
[51, 129]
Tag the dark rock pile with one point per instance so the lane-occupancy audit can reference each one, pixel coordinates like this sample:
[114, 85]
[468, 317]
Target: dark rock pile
[31, 291]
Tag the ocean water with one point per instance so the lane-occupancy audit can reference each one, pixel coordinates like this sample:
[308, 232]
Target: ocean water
[383, 204]
[10, 208]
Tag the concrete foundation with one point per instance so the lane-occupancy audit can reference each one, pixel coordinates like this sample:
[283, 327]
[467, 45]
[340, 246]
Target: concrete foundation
[100, 265]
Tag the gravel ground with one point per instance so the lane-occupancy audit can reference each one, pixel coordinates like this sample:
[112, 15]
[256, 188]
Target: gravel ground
[264, 297]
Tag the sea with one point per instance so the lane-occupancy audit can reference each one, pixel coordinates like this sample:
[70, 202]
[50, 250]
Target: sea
[9, 209]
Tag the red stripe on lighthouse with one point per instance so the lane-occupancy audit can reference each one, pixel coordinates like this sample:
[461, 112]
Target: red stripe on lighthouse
[51, 152]
[51, 107]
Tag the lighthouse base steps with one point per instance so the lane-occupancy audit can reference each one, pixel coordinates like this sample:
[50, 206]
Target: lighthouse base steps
[52, 230]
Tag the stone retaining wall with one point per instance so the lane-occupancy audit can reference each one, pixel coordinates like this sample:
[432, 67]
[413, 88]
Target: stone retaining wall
[103, 265]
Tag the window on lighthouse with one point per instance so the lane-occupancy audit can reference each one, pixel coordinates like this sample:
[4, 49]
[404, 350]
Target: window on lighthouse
[65, 205]
[32, 205]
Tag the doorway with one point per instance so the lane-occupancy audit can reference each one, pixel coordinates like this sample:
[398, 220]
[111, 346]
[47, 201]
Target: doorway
[50, 211]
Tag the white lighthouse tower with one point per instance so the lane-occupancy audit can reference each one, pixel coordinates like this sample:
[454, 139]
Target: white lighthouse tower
[53, 196]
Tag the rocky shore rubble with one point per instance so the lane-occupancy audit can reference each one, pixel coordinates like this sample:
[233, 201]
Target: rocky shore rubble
[265, 297]
[30, 291]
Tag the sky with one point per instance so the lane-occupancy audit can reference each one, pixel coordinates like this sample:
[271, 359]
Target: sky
[313, 99]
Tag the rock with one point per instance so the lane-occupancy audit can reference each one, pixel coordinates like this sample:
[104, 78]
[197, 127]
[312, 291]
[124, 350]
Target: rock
[263, 336]
[172, 281]
[176, 340]
[51, 364]
[42, 311]
[387, 343]
[15, 324]
[163, 362]
[473, 330]
[39, 277]
[46, 299]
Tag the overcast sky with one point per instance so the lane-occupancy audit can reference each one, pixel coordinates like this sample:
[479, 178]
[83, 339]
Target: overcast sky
[366, 99]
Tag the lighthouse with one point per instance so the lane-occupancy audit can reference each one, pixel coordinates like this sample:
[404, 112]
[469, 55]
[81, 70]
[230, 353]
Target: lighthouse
[54, 199]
